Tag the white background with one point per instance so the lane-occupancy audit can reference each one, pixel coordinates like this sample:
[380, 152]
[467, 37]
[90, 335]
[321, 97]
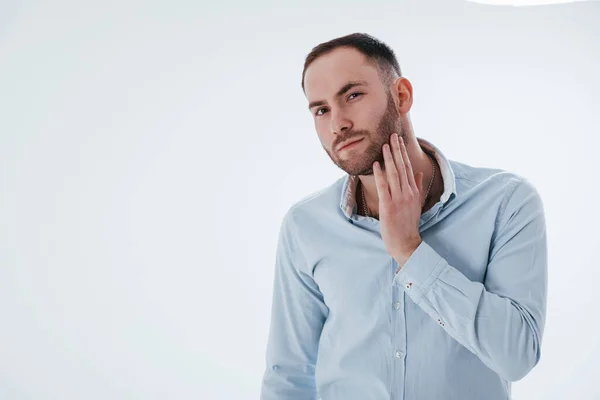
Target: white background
[148, 151]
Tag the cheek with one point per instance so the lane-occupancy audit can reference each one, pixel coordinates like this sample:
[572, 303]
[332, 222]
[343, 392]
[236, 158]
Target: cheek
[323, 133]
[372, 121]
[365, 120]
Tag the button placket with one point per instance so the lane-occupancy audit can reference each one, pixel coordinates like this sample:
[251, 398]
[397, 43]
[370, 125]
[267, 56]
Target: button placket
[398, 320]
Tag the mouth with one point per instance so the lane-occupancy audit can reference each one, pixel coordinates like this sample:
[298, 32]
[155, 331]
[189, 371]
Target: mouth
[351, 144]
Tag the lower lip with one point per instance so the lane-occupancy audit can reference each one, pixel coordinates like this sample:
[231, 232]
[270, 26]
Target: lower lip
[349, 146]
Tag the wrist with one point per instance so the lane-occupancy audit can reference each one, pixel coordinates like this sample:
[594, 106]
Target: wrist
[403, 256]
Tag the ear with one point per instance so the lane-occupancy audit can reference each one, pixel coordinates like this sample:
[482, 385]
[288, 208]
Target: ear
[395, 90]
[402, 91]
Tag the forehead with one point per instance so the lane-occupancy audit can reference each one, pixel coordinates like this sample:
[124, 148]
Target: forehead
[329, 72]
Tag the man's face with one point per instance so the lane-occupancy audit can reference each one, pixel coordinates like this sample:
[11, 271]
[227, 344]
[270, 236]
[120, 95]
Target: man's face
[348, 101]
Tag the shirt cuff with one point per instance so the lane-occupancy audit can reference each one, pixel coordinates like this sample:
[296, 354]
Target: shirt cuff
[420, 271]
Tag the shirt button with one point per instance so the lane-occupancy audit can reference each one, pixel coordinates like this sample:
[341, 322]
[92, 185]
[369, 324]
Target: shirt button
[397, 305]
[408, 285]
[399, 354]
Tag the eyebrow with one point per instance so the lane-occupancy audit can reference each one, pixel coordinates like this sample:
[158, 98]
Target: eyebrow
[340, 92]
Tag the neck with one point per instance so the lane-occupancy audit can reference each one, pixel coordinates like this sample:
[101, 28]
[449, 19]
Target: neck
[420, 162]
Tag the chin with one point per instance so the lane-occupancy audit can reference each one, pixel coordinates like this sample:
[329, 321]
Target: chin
[362, 170]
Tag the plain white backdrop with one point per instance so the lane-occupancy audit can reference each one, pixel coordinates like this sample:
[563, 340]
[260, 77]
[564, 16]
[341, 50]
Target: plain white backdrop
[148, 151]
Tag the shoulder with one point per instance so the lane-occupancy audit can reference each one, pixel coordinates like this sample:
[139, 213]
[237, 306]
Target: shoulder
[518, 199]
[321, 200]
[504, 182]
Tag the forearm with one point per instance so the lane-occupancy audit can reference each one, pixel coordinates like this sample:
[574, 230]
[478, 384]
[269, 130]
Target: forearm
[503, 333]
[297, 317]
[501, 320]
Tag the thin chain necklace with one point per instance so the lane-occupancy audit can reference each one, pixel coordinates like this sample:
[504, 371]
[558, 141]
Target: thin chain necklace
[364, 202]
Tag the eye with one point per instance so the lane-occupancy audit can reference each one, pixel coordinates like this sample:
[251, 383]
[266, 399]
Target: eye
[356, 94]
[317, 113]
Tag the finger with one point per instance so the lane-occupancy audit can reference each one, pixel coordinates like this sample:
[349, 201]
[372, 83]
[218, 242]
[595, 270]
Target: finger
[383, 191]
[408, 165]
[401, 159]
[393, 179]
[420, 181]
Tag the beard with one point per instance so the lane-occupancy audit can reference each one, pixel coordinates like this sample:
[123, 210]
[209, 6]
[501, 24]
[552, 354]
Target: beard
[362, 163]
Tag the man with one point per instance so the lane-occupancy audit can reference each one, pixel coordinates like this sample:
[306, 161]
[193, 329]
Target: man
[411, 277]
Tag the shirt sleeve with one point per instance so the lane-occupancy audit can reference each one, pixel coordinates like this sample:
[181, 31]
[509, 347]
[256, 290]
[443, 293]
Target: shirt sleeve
[502, 319]
[297, 317]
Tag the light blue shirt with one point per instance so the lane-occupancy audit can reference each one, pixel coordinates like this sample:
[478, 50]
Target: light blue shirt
[461, 320]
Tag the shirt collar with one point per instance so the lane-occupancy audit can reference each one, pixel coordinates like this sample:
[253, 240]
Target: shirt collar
[348, 200]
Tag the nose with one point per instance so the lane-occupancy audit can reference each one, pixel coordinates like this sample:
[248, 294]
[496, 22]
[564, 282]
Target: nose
[340, 123]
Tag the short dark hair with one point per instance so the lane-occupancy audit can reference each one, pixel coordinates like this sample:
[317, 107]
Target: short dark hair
[374, 49]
